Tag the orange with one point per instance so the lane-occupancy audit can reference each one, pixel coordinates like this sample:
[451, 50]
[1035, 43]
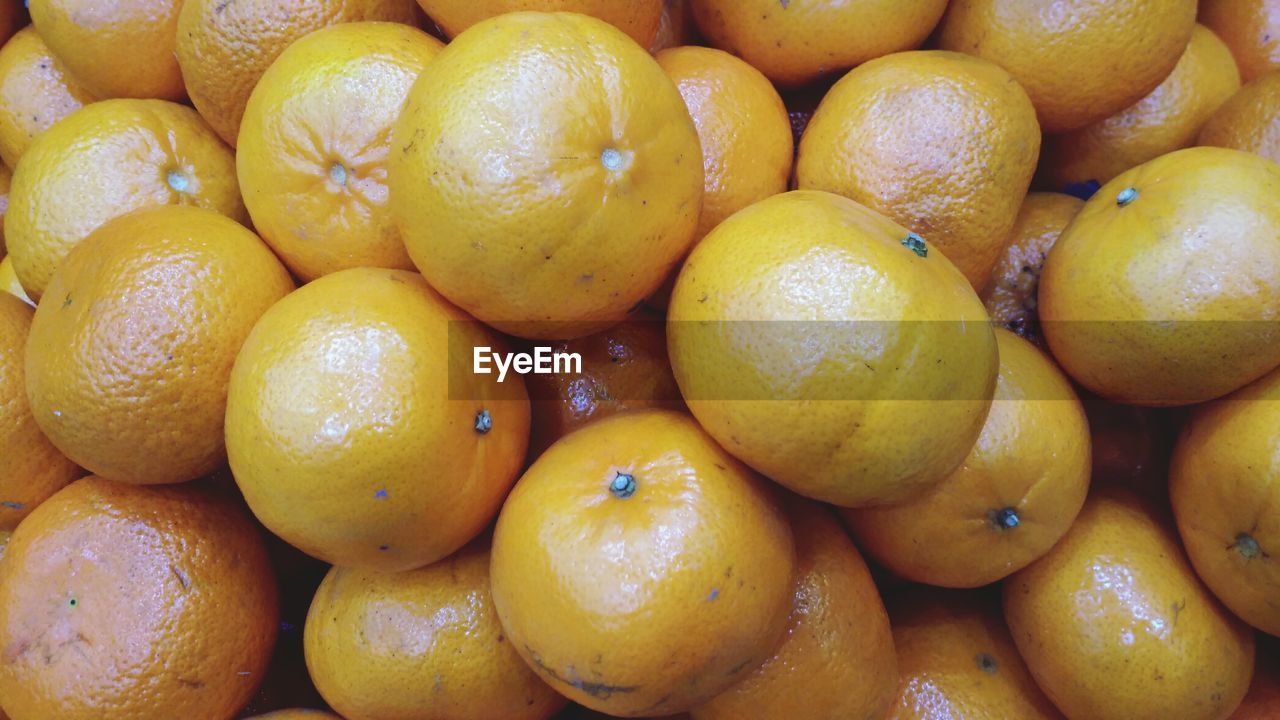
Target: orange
[1250, 120]
[957, 660]
[1165, 289]
[131, 351]
[118, 49]
[742, 127]
[639, 568]
[836, 659]
[799, 41]
[545, 174]
[6, 179]
[223, 48]
[942, 143]
[1011, 499]
[1011, 293]
[35, 92]
[807, 332]
[1225, 491]
[102, 161]
[297, 714]
[675, 26]
[423, 644]
[1263, 700]
[1167, 119]
[9, 281]
[343, 396]
[31, 469]
[313, 146]
[1251, 28]
[134, 602]
[1113, 623]
[1080, 60]
[637, 18]
[623, 368]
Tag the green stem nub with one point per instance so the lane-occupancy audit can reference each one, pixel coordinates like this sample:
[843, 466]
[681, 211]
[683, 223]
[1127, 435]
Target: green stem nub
[484, 422]
[1247, 546]
[915, 244]
[1005, 518]
[623, 486]
[1126, 196]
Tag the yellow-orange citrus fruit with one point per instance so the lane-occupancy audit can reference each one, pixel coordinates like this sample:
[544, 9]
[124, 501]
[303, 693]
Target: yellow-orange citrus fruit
[1167, 119]
[6, 180]
[1165, 288]
[35, 92]
[808, 333]
[1249, 120]
[639, 568]
[1225, 493]
[131, 351]
[118, 49]
[1011, 296]
[957, 660]
[943, 143]
[134, 602]
[1113, 622]
[623, 368]
[1251, 28]
[1011, 499]
[836, 658]
[422, 643]
[31, 468]
[742, 127]
[799, 41]
[1263, 699]
[637, 18]
[297, 714]
[545, 174]
[224, 47]
[342, 396]
[102, 161]
[313, 146]
[1079, 60]
[9, 281]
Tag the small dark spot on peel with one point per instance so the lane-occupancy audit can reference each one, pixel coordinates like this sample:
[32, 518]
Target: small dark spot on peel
[10, 505]
[987, 663]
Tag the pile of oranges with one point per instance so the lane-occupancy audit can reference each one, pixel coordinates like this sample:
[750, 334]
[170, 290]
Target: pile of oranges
[929, 359]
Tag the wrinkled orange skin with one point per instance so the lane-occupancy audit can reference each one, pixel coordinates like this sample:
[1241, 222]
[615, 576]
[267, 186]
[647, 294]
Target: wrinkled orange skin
[102, 161]
[1167, 119]
[356, 393]
[224, 47]
[134, 602]
[637, 18]
[1011, 296]
[1032, 460]
[36, 90]
[1249, 120]
[646, 604]
[800, 41]
[118, 49]
[1251, 28]
[131, 352]
[312, 152]
[836, 659]
[1079, 60]
[942, 143]
[1224, 485]
[956, 660]
[1169, 296]
[805, 336]
[424, 643]
[31, 468]
[598, 190]
[623, 368]
[1114, 624]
